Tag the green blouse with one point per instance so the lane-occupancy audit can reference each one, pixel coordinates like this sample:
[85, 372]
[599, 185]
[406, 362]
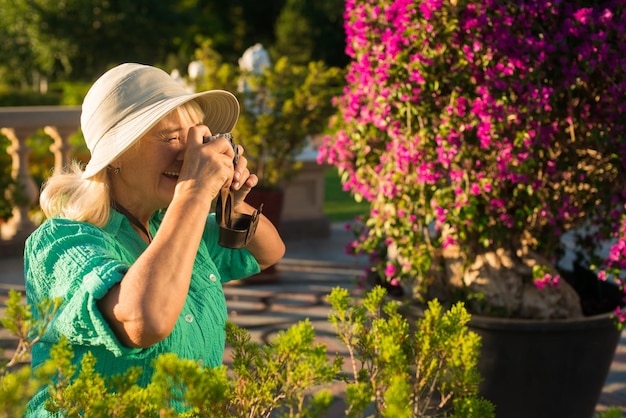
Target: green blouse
[80, 262]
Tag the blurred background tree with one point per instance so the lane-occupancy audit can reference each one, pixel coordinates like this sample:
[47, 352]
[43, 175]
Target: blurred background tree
[50, 42]
[53, 50]
[310, 31]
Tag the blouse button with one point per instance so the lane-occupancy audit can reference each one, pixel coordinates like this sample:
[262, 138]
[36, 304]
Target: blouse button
[213, 277]
[189, 318]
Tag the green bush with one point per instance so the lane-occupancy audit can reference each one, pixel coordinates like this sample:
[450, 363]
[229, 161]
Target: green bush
[396, 372]
[20, 98]
[426, 371]
[59, 94]
[72, 93]
[282, 107]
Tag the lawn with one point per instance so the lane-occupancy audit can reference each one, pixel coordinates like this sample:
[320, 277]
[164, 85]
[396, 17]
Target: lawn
[340, 205]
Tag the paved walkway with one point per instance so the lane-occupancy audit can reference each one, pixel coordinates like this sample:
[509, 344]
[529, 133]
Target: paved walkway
[309, 271]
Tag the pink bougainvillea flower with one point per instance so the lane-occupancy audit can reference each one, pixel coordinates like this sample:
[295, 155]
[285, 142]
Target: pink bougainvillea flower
[484, 124]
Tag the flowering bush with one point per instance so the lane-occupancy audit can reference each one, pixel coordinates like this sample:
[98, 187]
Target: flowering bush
[481, 131]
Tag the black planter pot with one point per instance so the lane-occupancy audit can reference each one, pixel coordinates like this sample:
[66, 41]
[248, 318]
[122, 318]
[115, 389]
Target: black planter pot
[536, 369]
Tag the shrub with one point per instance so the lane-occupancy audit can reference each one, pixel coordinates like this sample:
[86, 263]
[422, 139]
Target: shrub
[403, 370]
[426, 369]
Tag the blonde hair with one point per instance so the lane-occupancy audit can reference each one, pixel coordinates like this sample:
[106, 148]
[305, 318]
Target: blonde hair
[67, 195]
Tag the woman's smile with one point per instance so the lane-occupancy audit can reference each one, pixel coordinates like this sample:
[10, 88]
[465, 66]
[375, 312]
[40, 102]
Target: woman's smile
[172, 174]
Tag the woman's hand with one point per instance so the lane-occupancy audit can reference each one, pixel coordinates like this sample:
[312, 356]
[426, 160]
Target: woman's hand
[266, 246]
[243, 180]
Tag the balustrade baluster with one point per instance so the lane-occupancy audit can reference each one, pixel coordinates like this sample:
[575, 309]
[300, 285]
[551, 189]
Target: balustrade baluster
[61, 147]
[20, 224]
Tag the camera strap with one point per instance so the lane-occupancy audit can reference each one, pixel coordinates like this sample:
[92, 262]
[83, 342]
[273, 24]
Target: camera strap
[236, 229]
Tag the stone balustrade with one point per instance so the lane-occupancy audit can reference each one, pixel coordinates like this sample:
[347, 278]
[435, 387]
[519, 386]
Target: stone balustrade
[303, 203]
[18, 124]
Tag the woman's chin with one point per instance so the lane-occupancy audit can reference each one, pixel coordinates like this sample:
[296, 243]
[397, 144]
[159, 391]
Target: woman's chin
[167, 188]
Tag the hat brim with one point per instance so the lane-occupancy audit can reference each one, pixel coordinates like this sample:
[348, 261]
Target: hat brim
[221, 110]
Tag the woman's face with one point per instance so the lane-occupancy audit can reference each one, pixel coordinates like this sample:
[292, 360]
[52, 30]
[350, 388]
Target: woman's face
[149, 170]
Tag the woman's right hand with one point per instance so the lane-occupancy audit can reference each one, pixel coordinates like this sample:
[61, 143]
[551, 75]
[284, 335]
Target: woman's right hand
[207, 167]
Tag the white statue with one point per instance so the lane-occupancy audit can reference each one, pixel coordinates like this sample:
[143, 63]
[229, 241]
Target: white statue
[253, 60]
[196, 70]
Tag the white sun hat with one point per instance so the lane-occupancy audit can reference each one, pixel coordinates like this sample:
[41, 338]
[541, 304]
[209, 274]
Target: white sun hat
[128, 100]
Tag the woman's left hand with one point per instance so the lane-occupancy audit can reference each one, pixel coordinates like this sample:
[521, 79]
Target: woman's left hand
[243, 180]
[266, 245]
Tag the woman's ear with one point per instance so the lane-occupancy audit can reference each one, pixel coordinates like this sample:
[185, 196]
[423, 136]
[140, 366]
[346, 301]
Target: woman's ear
[114, 168]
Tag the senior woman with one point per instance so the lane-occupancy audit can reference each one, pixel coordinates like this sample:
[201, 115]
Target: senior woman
[129, 243]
